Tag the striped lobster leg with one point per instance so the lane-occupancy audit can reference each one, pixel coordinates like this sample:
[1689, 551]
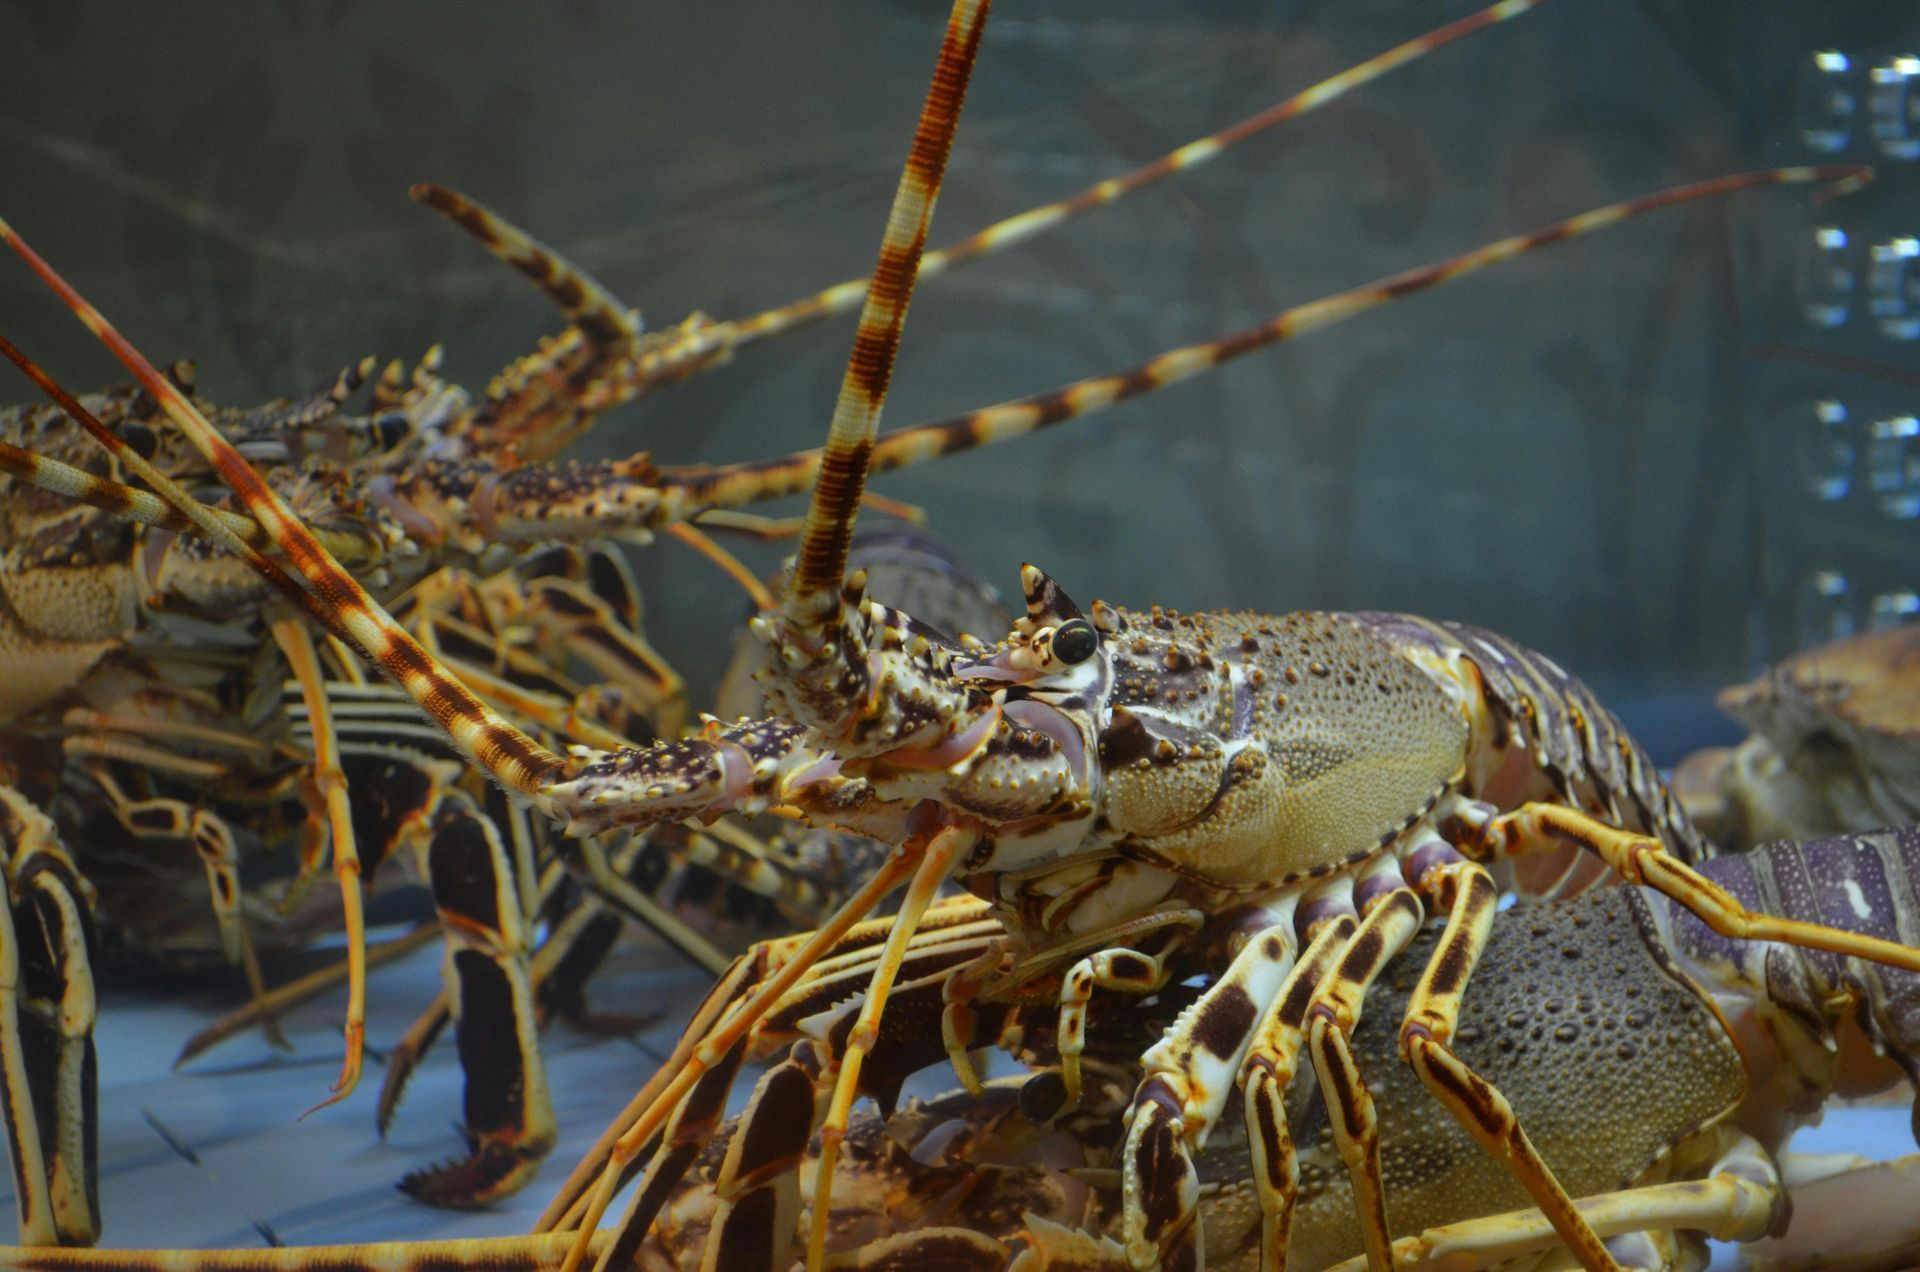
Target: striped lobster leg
[509, 1112]
[48, 1076]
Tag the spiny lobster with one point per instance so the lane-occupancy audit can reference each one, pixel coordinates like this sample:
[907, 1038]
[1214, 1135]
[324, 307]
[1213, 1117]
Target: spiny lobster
[425, 477]
[1103, 780]
[458, 497]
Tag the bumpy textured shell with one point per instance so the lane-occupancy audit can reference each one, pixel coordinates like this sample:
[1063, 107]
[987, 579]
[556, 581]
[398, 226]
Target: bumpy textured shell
[1354, 741]
[1608, 1057]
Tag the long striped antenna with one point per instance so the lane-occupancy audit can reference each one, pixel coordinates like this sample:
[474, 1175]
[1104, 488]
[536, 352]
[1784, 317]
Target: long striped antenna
[812, 601]
[510, 756]
[1025, 225]
[609, 362]
[609, 496]
[811, 614]
[695, 488]
[116, 497]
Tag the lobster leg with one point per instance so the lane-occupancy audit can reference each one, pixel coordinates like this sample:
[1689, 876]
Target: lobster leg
[600, 874]
[177, 819]
[698, 1055]
[296, 644]
[1389, 923]
[269, 1006]
[48, 1077]
[1468, 895]
[574, 948]
[759, 1182]
[733, 986]
[1740, 1200]
[1119, 970]
[821, 1013]
[1644, 860]
[947, 847]
[1265, 1075]
[1189, 1074]
[509, 1114]
[589, 627]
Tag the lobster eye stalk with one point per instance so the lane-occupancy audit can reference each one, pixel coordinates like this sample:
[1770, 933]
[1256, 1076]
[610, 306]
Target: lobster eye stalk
[1074, 642]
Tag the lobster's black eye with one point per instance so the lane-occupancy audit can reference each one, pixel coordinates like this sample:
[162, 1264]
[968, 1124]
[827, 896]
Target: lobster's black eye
[1075, 641]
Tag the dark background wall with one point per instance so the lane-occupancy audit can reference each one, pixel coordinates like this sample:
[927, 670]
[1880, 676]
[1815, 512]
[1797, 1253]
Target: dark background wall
[1593, 449]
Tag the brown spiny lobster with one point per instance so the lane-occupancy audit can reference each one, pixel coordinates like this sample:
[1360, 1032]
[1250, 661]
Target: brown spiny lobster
[423, 477]
[446, 476]
[1661, 1066]
[1128, 791]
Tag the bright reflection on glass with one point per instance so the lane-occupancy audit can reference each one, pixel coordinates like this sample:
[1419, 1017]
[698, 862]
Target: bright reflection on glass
[1826, 276]
[1893, 283]
[1827, 447]
[1893, 465]
[1892, 609]
[1893, 105]
[1826, 100]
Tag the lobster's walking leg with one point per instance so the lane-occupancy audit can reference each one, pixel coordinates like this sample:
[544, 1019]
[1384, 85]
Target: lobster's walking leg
[266, 1008]
[1119, 970]
[1645, 860]
[1468, 896]
[1189, 1075]
[164, 818]
[759, 1183]
[694, 1120]
[1265, 1075]
[1740, 1200]
[948, 846]
[48, 1075]
[701, 1054]
[509, 1113]
[575, 946]
[571, 1199]
[296, 644]
[587, 626]
[1390, 922]
[608, 881]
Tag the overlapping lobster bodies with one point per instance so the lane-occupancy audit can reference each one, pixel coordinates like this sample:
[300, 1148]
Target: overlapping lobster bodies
[1415, 755]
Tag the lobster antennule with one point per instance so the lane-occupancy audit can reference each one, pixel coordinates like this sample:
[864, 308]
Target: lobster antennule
[508, 754]
[544, 400]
